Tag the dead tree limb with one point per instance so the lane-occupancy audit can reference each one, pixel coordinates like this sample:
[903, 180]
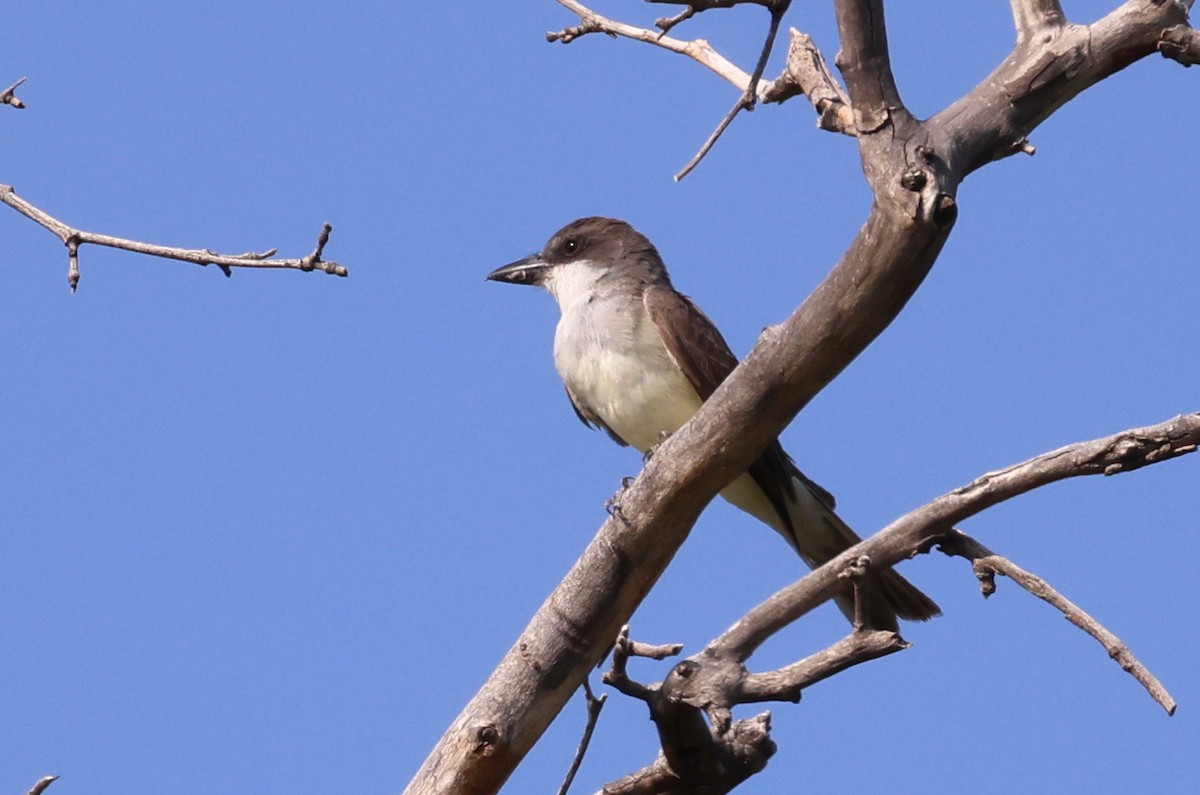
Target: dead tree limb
[41, 784]
[987, 564]
[913, 168]
[73, 238]
[714, 681]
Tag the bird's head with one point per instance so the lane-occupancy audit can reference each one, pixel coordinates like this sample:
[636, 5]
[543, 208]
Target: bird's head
[579, 255]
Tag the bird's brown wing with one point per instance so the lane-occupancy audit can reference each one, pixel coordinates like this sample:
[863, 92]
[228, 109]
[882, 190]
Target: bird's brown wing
[700, 351]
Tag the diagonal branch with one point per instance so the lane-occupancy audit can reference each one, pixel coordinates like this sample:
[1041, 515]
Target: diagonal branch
[914, 173]
[699, 50]
[73, 238]
[987, 564]
[915, 531]
[749, 97]
[594, 705]
[41, 784]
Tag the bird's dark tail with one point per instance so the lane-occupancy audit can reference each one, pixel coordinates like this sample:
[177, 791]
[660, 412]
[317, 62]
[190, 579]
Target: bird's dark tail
[819, 535]
[822, 535]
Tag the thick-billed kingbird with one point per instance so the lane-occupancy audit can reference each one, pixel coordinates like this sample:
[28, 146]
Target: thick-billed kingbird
[638, 359]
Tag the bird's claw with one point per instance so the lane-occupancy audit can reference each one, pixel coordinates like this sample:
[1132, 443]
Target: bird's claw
[662, 437]
[612, 505]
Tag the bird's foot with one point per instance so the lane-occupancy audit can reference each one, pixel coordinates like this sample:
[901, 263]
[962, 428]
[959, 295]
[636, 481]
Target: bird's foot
[613, 504]
[662, 437]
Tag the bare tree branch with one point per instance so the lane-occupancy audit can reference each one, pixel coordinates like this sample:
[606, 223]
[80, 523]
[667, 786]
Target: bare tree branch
[9, 97]
[715, 680]
[698, 50]
[73, 238]
[40, 786]
[720, 756]
[915, 531]
[743, 751]
[1033, 17]
[1181, 43]
[594, 705]
[994, 119]
[749, 97]
[914, 169]
[986, 564]
[806, 73]
[698, 6]
[786, 684]
[867, 66]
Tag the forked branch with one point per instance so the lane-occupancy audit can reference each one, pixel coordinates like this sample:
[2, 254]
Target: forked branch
[914, 169]
[916, 531]
[698, 50]
[751, 84]
[73, 238]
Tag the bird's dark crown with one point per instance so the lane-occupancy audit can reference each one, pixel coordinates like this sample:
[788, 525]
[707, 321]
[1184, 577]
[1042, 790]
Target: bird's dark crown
[600, 240]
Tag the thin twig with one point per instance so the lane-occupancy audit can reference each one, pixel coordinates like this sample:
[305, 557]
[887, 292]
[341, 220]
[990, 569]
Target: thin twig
[623, 649]
[696, 6]
[73, 238]
[594, 705]
[9, 97]
[698, 50]
[985, 562]
[749, 96]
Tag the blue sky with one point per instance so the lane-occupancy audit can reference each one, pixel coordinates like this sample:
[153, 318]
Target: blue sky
[274, 531]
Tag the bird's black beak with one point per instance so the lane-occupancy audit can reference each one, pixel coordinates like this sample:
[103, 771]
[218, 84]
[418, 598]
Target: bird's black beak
[530, 270]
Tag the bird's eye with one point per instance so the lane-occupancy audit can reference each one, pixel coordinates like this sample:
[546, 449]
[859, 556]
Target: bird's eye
[571, 246]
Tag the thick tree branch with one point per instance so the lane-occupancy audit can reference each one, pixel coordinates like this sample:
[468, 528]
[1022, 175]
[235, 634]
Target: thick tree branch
[867, 66]
[986, 564]
[73, 238]
[995, 118]
[1181, 43]
[740, 752]
[914, 170]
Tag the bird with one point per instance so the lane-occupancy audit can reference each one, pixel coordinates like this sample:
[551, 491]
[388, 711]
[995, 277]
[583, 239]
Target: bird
[638, 359]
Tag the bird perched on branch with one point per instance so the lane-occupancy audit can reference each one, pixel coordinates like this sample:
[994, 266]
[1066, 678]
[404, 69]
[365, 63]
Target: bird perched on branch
[638, 359]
